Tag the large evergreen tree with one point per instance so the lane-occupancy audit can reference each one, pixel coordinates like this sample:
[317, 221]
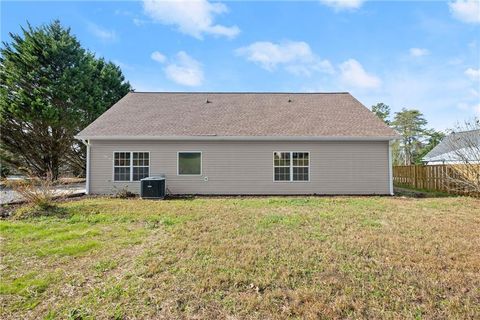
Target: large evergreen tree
[410, 124]
[417, 140]
[382, 111]
[51, 88]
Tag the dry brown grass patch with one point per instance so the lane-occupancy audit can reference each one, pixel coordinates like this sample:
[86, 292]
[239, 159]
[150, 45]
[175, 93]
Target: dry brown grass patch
[246, 258]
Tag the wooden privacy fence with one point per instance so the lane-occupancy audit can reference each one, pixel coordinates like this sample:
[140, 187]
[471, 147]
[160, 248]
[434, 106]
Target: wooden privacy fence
[445, 178]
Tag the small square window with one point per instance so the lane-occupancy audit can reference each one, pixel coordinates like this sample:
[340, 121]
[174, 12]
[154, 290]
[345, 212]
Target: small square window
[189, 163]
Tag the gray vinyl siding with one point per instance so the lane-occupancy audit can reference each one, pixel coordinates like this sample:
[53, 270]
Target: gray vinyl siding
[236, 167]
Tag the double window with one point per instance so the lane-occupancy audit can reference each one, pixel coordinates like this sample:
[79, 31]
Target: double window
[131, 166]
[291, 166]
[189, 163]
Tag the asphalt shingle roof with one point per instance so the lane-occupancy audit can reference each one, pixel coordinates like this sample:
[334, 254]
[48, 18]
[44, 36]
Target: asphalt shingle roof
[141, 114]
[453, 142]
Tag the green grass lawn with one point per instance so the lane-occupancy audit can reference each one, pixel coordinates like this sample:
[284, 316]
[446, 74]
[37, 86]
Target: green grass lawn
[245, 258]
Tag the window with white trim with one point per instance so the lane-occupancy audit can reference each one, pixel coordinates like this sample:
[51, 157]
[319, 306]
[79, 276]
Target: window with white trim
[291, 166]
[131, 166]
[121, 166]
[281, 163]
[300, 166]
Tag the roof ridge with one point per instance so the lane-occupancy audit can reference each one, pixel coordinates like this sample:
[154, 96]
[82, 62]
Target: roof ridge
[237, 92]
[466, 131]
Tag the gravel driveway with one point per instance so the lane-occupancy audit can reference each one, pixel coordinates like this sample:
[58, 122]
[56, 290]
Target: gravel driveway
[7, 195]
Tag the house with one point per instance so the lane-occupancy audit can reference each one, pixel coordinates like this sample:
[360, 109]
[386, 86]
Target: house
[456, 148]
[240, 144]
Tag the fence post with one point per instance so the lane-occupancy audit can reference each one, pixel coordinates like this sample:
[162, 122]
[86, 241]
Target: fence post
[415, 176]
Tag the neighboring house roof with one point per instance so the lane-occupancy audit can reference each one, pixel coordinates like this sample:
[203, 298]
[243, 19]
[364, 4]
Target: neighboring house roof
[456, 147]
[180, 115]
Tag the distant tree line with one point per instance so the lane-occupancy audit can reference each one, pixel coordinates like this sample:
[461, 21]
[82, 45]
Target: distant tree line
[50, 89]
[416, 138]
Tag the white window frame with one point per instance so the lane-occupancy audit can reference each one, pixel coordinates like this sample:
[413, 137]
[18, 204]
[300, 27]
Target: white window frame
[189, 175]
[291, 167]
[131, 165]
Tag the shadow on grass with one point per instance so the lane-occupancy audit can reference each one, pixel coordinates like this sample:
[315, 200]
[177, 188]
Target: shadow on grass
[401, 191]
[27, 212]
[134, 196]
[180, 197]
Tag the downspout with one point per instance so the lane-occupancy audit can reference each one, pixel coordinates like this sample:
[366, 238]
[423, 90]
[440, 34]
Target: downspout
[390, 169]
[87, 174]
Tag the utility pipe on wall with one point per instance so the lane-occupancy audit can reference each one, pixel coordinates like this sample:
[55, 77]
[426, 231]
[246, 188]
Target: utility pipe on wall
[87, 174]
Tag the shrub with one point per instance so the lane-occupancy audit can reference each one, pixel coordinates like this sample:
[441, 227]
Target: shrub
[123, 193]
[38, 192]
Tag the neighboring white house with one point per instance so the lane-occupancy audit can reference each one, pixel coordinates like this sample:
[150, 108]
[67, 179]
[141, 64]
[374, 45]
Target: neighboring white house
[240, 143]
[456, 148]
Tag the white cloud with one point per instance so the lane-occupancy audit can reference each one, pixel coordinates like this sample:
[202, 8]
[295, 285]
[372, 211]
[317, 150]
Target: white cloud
[158, 56]
[120, 12]
[101, 33]
[195, 17]
[139, 22]
[124, 66]
[185, 70]
[296, 57]
[343, 4]
[467, 11]
[419, 52]
[353, 74]
[473, 74]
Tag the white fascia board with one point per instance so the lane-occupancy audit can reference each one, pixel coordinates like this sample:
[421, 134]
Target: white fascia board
[240, 138]
[87, 173]
[390, 170]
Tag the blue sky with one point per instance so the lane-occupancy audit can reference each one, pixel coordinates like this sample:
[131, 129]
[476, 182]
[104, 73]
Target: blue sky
[423, 55]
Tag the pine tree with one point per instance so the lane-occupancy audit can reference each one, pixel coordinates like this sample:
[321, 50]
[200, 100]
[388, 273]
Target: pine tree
[410, 124]
[382, 111]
